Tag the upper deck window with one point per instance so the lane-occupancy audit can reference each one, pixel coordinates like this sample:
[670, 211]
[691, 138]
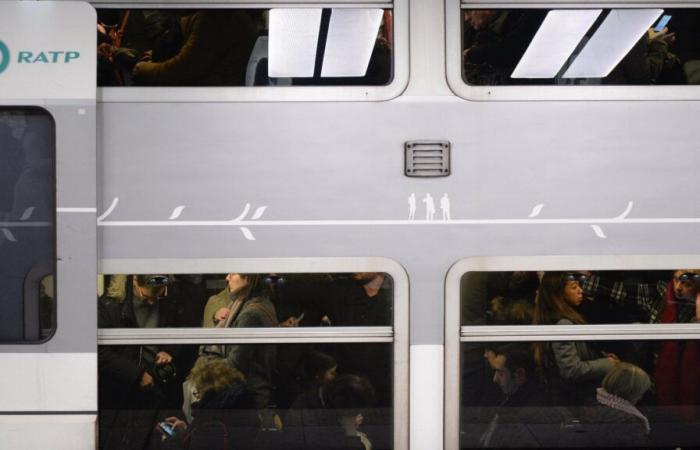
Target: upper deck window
[646, 46]
[252, 47]
[27, 225]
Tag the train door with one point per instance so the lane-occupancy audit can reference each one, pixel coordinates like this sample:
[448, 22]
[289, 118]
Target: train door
[47, 225]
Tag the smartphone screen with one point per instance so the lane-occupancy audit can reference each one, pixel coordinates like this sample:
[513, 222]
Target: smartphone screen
[662, 22]
[167, 429]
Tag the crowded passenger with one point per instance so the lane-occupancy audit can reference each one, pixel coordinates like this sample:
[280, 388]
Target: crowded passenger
[363, 300]
[137, 381]
[494, 42]
[522, 397]
[223, 413]
[574, 368]
[232, 391]
[615, 421]
[249, 306]
[209, 47]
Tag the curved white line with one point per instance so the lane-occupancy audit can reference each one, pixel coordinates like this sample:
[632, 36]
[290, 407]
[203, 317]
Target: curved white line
[359, 222]
[248, 235]
[598, 231]
[626, 211]
[109, 210]
[258, 213]
[8, 235]
[27, 213]
[536, 210]
[176, 212]
[242, 215]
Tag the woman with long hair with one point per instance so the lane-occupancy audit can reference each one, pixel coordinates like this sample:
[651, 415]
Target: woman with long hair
[249, 307]
[573, 369]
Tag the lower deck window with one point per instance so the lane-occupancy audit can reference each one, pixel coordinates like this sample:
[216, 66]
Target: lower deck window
[583, 394]
[303, 396]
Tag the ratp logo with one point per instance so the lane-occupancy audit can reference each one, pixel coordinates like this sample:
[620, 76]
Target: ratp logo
[4, 56]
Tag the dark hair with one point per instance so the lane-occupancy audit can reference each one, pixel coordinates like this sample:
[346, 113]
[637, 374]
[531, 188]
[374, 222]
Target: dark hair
[518, 356]
[349, 392]
[314, 365]
[511, 311]
[550, 305]
[255, 286]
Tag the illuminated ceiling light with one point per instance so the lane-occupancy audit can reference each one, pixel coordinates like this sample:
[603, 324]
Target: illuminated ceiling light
[293, 41]
[615, 37]
[352, 34]
[555, 41]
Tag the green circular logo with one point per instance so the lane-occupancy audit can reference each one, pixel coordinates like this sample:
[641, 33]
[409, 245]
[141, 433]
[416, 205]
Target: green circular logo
[4, 56]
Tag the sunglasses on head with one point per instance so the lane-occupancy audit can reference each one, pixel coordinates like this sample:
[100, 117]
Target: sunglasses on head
[689, 277]
[576, 276]
[158, 280]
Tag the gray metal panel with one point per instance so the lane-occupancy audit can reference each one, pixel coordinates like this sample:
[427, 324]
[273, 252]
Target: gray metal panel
[331, 178]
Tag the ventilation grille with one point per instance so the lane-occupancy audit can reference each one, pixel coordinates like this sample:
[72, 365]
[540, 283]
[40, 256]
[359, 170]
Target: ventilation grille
[427, 158]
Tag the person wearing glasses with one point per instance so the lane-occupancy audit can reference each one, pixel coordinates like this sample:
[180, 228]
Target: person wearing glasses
[135, 381]
[573, 369]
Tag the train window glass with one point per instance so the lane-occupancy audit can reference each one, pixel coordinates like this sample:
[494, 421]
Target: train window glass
[582, 394]
[252, 47]
[27, 225]
[579, 297]
[363, 299]
[641, 46]
[300, 396]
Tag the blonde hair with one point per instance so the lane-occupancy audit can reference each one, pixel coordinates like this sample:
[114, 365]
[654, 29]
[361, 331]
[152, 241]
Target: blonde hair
[213, 375]
[627, 381]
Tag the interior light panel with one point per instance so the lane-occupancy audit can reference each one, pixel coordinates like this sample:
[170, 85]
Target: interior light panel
[293, 41]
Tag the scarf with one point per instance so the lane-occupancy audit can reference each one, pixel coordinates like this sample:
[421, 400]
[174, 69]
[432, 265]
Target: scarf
[613, 401]
[677, 368]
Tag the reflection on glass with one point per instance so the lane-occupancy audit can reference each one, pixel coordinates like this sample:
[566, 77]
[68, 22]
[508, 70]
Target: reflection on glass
[578, 297]
[262, 396]
[581, 47]
[233, 47]
[27, 224]
[645, 395]
[238, 300]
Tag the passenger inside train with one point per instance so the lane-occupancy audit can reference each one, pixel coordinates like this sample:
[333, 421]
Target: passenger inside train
[302, 396]
[496, 45]
[219, 48]
[580, 393]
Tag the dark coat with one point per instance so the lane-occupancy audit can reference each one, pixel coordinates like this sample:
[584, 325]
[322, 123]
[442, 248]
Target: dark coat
[257, 362]
[215, 52]
[119, 368]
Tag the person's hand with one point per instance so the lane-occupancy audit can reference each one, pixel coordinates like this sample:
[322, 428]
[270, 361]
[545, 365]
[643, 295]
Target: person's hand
[221, 313]
[326, 321]
[163, 358]
[662, 35]
[177, 424]
[146, 382]
[105, 49]
[146, 56]
[613, 358]
[291, 322]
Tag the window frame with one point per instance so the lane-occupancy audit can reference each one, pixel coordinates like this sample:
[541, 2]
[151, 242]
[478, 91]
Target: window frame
[245, 94]
[397, 334]
[456, 334]
[453, 48]
[26, 320]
